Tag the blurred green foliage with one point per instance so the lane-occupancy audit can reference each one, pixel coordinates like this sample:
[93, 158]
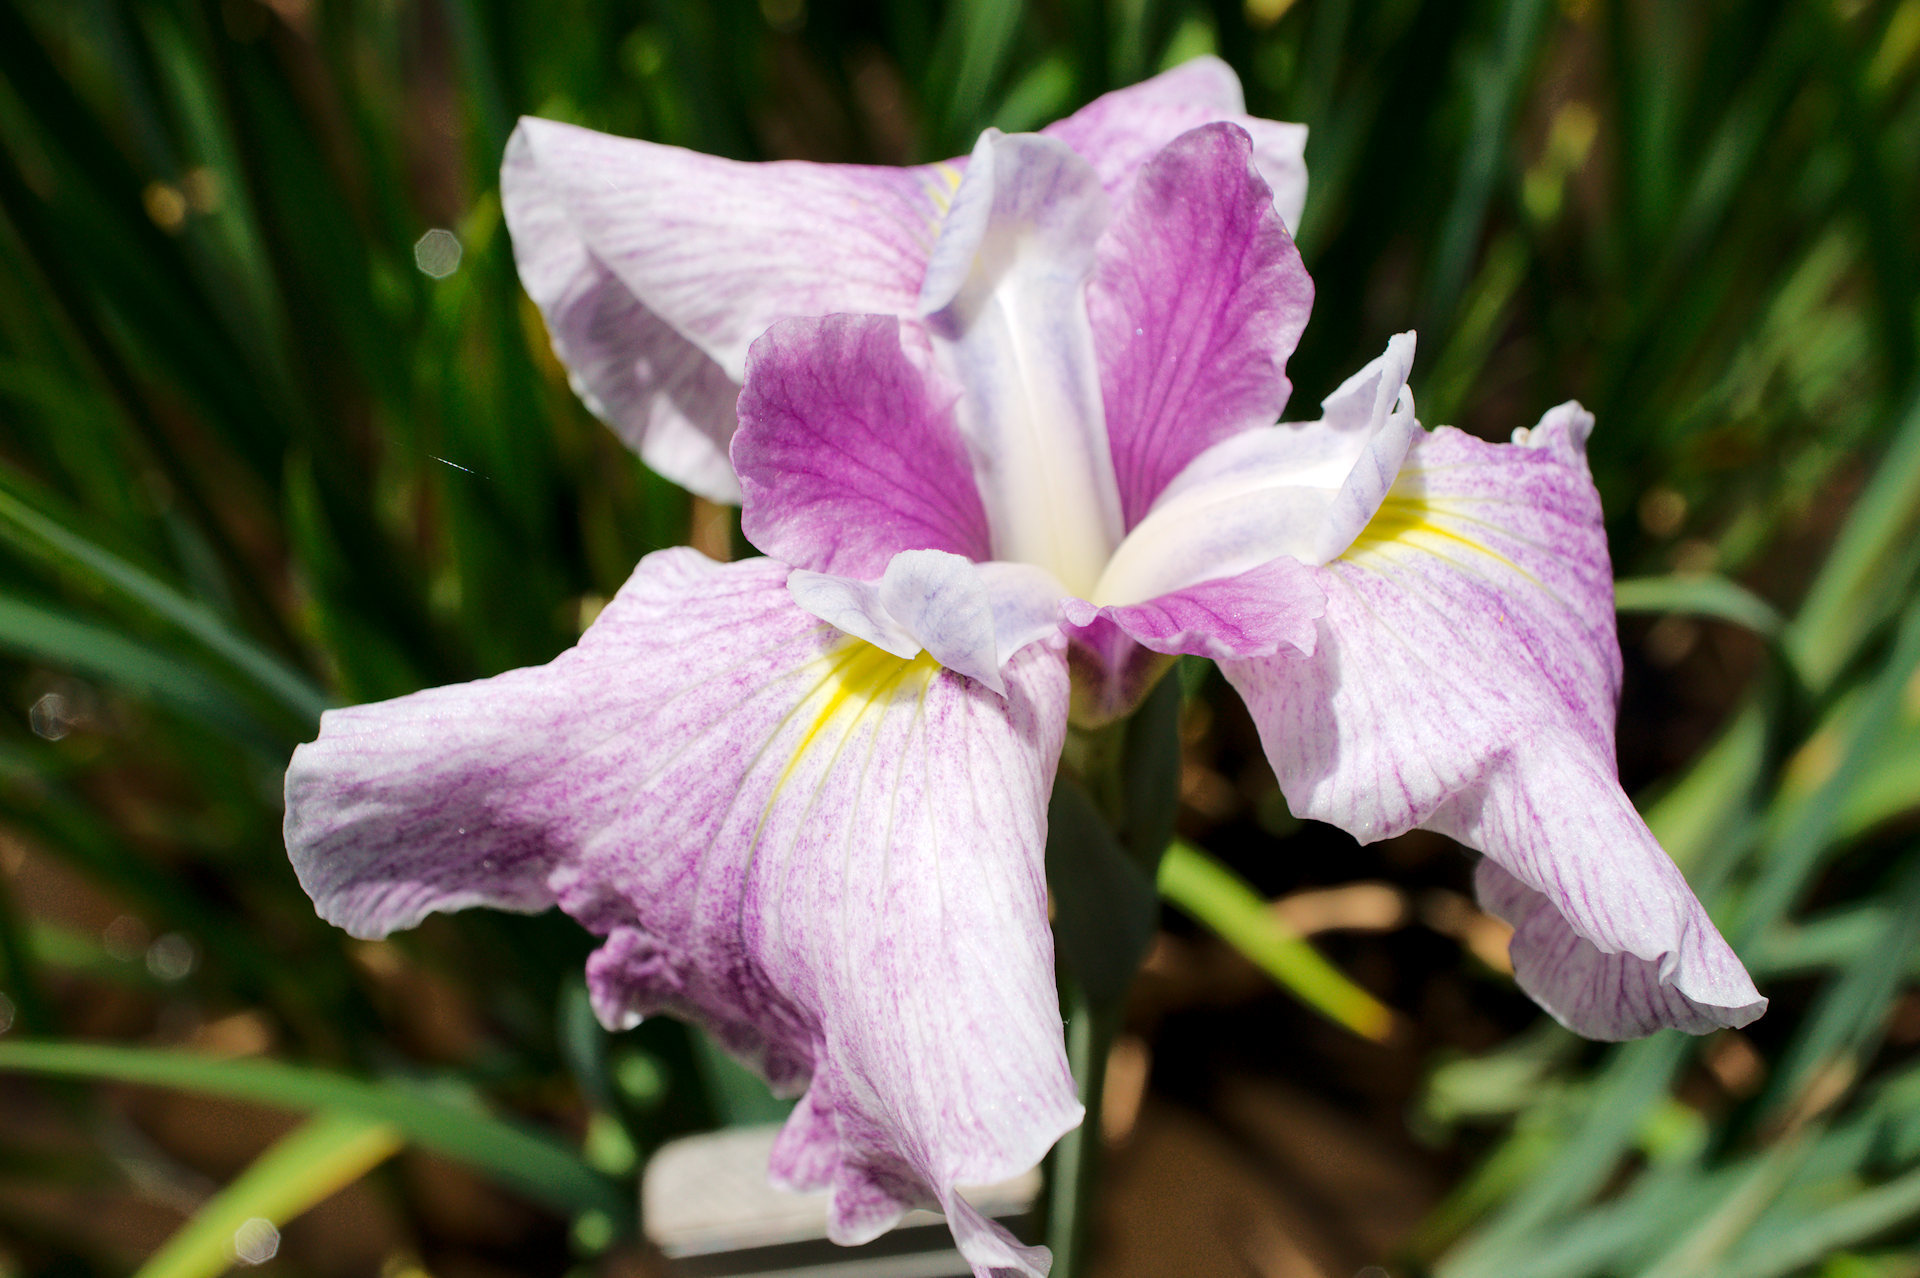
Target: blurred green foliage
[255, 458]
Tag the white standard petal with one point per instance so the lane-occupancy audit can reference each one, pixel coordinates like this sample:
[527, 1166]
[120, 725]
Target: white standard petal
[1005, 300]
[1302, 490]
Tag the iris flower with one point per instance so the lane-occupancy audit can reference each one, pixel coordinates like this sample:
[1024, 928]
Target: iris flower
[1008, 433]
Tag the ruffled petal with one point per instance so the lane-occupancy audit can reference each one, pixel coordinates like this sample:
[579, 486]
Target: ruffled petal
[1120, 131]
[721, 249]
[1465, 681]
[1301, 490]
[971, 618]
[847, 451]
[656, 268]
[1005, 307]
[830, 856]
[1196, 301]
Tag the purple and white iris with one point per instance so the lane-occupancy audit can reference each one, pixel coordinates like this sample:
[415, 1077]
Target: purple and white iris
[1005, 431]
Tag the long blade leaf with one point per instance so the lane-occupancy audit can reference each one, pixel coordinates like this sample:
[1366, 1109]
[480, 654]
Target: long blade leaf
[318, 1159]
[535, 1165]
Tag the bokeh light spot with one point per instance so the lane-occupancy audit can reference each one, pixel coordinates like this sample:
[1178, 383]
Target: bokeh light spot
[171, 958]
[52, 717]
[256, 1241]
[437, 253]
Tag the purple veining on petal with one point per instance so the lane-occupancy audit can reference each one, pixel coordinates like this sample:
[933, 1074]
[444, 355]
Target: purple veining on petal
[847, 451]
[830, 857]
[722, 249]
[1302, 490]
[1196, 301]
[1120, 131]
[1688, 978]
[1253, 614]
[1465, 681]
[656, 267]
[658, 391]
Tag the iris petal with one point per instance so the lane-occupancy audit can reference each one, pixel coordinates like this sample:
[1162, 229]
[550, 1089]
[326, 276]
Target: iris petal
[1004, 301]
[1197, 300]
[1465, 681]
[829, 855]
[1122, 130]
[1299, 489]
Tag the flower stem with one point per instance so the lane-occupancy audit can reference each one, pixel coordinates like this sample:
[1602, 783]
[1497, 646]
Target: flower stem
[1073, 1175]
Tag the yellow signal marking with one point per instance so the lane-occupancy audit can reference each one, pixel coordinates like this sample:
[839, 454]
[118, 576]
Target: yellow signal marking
[861, 677]
[1404, 516]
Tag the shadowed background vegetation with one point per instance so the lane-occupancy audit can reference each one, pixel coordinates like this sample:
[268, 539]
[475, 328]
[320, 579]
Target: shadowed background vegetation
[267, 444]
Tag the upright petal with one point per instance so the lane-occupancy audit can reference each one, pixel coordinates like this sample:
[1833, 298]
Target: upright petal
[1005, 299]
[1302, 490]
[1119, 131]
[830, 856]
[1196, 301]
[848, 453]
[1465, 681]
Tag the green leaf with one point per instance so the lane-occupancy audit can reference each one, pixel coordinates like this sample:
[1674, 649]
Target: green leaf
[534, 1165]
[46, 634]
[1796, 852]
[1221, 899]
[1705, 595]
[739, 1096]
[975, 39]
[324, 1155]
[1861, 581]
[1847, 1020]
[36, 533]
[1854, 1219]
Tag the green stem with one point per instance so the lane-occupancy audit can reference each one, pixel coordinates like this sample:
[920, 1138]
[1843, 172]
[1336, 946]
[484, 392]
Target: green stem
[1073, 1174]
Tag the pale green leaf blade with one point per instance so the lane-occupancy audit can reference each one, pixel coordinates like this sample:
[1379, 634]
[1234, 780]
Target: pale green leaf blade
[310, 1164]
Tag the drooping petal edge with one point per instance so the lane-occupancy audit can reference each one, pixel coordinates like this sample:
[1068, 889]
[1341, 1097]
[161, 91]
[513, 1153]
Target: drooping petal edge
[1465, 682]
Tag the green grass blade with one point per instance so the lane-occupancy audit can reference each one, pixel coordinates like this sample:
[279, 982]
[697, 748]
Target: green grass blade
[535, 1165]
[1221, 899]
[43, 633]
[1496, 80]
[1852, 591]
[1854, 1219]
[1702, 596]
[1796, 852]
[310, 1164]
[1846, 1023]
[976, 38]
[38, 534]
